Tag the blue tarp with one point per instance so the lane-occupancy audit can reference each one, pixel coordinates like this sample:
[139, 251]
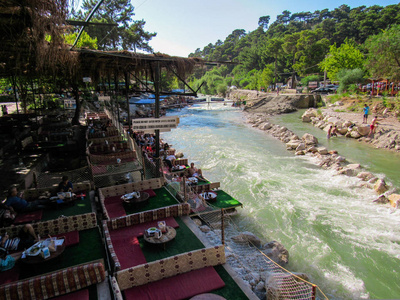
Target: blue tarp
[145, 101]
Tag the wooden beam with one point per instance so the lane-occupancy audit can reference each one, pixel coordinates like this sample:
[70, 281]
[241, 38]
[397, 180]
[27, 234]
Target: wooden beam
[84, 23]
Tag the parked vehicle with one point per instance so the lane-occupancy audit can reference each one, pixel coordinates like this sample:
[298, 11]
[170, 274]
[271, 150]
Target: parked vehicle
[330, 88]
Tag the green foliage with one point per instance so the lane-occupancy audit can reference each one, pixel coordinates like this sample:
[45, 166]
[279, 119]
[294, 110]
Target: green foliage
[347, 56]
[307, 79]
[130, 33]
[384, 53]
[349, 78]
[84, 41]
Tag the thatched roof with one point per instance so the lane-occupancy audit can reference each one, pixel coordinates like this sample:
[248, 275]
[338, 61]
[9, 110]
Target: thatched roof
[24, 24]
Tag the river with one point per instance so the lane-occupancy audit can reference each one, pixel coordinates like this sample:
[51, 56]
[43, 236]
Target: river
[349, 246]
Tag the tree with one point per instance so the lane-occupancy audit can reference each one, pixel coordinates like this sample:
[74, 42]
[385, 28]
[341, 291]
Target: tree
[348, 77]
[85, 41]
[129, 35]
[264, 21]
[384, 53]
[347, 56]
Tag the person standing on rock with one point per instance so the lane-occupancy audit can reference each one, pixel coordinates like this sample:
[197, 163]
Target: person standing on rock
[366, 111]
[329, 132]
[372, 127]
[334, 131]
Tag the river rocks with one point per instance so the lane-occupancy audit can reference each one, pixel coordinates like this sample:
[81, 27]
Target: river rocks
[277, 252]
[394, 200]
[322, 150]
[342, 130]
[265, 126]
[301, 152]
[204, 228]
[365, 176]
[363, 129]
[308, 114]
[381, 200]
[197, 221]
[340, 159]
[247, 237]
[293, 144]
[380, 186]
[334, 121]
[355, 134]
[309, 139]
[301, 147]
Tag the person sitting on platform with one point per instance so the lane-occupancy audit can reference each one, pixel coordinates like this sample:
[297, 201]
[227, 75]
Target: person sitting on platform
[170, 160]
[194, 172]
[65, 185]
[15, 203]
[26, 238]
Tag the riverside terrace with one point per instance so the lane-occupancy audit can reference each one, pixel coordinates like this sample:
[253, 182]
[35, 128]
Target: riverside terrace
[85, 252]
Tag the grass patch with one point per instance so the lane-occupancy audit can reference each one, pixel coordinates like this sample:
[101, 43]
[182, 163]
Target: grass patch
[80, 207]
[162, 198]
[90, 248]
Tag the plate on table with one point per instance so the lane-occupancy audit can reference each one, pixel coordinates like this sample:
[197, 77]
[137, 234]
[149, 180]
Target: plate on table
[34, 250]
[192, 180]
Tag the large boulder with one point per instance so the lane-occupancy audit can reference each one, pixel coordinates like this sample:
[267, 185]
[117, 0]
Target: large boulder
[301, 147]
[365, 176]
[277, 252]
[309, 139]
[355, 134]
[247, 237]
[334, 121]
[363, 129]
[322, 150]
[394, 200]
[293, 144]
[346, 124]
[308, 114]
[306, 119]
[265, 126]
[380, 186]
[342, 130]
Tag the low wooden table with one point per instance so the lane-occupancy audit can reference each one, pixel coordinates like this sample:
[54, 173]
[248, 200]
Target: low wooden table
[38, 259]
[164, 239]
[207, 296]
[143, 200]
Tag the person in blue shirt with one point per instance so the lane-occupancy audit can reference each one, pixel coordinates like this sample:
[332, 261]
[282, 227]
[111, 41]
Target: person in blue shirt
[18, 204]
[366, 111]
[65, 185]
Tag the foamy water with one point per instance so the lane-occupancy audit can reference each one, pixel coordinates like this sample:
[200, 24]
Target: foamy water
[349, 246]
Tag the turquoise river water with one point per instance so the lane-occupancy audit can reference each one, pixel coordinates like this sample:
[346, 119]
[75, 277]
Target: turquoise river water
[349, 246]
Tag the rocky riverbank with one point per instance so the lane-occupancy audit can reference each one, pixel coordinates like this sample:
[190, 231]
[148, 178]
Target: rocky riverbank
[325, 158]
[350, 125]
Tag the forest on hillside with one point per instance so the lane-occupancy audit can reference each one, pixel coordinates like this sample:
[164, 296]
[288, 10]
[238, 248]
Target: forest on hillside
[349, 44]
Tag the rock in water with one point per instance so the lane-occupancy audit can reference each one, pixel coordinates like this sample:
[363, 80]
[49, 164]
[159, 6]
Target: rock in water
[365, 176]
[309, 139]
[363, 129]
[322, 150]
[277, 252]
[380, 186]
[394, 200]
[247, 237]
[205, 228]
[381, 199]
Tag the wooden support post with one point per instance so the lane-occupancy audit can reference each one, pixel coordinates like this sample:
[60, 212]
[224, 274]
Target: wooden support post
[314, 292]
[157, 115]
[15, 93]
[116, 94]
[222, 227]
[127, 102]
[184, 190]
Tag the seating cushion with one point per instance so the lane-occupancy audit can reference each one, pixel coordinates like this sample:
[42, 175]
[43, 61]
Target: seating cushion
[29, 217]
[71, 238]
[79, 295]
[182, 286]
[127, 249]
[115, 209]
[9, 275]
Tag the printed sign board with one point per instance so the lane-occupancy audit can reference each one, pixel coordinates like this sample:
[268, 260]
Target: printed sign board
[69, 104]
[313, 84]
[150, 124]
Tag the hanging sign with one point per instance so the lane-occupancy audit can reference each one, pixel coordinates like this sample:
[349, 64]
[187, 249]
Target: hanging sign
[150, 124]
[69, 104]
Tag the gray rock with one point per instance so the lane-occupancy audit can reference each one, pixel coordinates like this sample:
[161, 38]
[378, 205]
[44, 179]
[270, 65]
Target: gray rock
[247, 237]
[380, 186]
[363, 129]
[301, 152]
[354, 134]
[205, 228]
[301, 147]
[309, 139]
[381, 200]
[322, 150]
[340, 159]
[277, 252]
[365, 176]
[197, 221]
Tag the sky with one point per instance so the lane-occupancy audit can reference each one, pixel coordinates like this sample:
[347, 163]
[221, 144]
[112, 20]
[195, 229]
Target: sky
[182, 26]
